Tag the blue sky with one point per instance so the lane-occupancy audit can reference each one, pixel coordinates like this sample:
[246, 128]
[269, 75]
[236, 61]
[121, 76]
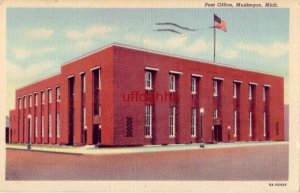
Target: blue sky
[39, 40]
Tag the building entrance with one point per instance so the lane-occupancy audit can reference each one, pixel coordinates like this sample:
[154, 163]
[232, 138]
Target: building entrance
[217, 133]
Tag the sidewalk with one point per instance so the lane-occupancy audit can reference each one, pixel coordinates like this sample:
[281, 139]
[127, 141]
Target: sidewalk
[92, 150]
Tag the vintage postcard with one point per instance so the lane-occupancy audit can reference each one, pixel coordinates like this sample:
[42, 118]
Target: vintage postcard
[134, 96]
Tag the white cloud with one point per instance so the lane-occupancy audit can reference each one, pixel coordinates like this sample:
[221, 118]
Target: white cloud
[40, 33]
[22, 53]
[86, 39]
[177, 42]
[91, 32]
[273, 50]
[18, 76]
[231, 54]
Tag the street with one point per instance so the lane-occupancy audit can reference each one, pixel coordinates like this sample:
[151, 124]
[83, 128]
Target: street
[269, 162]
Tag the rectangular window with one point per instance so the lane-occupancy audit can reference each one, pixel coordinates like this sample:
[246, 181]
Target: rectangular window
[264, 93]
[84, 118]
[235, 123]
[148, 121]
[30, 100]
[250, 124]
[215, 88]
[50, 124]
[36, 126]
[19, 103]
[36, 99]
[58, 124]
[57, 94]
[148, 80]
[234, 90]
[172, 83]
[215, 113]
[83, 83]
[50, 96]
[43, 126]
[194, 122]
[194, 85]
[43, 97]
[265, 124]
[24, 102]
[250, 92]
[172, 119]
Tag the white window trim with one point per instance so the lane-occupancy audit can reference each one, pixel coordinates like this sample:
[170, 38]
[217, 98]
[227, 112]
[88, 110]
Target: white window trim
[172, 83]
[194, 85]
[148, 79]
[36, 99]
[58, 124]
[235, 123]
[172, 126]
[265, 124]
[250, 124]
[264, 93]
[215, 113]
[148, 115]
[151, 69]
[43, 97]
[175, 72]
[194, 122]
[238, 81]
[84, 83]
[235, 90]
[30, 100]
[36, 126]
[95, 68]
[197, 75]
[267, 85]
[50, 96]
[250, 91]
[253, 83]
[84, 118]
[43, 126]
[50, 125]
[57, 94]
[218, 78]
[215, 88]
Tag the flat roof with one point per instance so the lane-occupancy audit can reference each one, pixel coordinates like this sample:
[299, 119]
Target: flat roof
[149, 51]
[167, 54]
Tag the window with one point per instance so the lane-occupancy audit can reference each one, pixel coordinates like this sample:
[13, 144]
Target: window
[43, 126]
[172, 122]
[84, 118]
[235, 123]
[36, 99]
[194, 121]
[148, 121]
[30, 101]
[50, 96]
[57, 124]
[19, 103]
[57, 94]
[50, 124]
[148, 80]
[264, 93]
[36, 126]
[250, 124]
[172, 83]
[24, 102]
[234, 90]
[265, 124]
[250, 92]
[194, 85]
[83, 83]
[215, 88]
[215, 113]
[43, 97]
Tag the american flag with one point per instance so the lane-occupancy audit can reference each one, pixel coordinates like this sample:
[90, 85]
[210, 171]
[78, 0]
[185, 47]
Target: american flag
[219, 23]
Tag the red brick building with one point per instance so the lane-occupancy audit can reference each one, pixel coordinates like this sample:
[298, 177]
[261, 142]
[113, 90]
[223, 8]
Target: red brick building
[120, 95]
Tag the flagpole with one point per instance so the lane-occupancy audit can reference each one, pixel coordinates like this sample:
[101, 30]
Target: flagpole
[214, 42]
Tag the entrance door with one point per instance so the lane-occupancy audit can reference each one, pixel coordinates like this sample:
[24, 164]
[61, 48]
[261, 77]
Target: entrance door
[217, 133]
[96, 134]
[71, 110]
